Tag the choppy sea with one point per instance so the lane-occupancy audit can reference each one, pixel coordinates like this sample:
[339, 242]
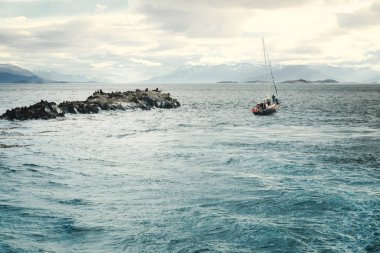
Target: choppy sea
[206, 177]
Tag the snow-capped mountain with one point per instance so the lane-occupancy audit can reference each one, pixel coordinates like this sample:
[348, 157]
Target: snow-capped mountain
[53, 75]
[13, 74]
[208, 73]
[10, 73]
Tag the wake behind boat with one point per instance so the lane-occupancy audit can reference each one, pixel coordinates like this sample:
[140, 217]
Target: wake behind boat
[267, 106]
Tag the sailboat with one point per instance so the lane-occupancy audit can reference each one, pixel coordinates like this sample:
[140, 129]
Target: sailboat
[267, 105]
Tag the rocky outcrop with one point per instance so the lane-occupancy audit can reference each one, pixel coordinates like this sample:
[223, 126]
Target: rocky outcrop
[40, 110]
[98, 101]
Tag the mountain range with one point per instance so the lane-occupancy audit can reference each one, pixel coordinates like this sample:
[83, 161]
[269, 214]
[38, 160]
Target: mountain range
[13, 74]
[246, 72]
[53, 75]
[225, 73]
[10, 73]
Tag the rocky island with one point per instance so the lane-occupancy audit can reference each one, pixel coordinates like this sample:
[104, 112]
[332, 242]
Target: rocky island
[99, 100]
[308, 81]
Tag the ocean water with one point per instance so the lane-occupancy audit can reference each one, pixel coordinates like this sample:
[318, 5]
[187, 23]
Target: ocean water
[206, 177]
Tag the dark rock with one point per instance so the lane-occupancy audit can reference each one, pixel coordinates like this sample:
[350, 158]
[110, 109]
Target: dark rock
[149, 100]
[40, 110]
[99, 100]
[83, 107]
[12, 146]
[67, 107]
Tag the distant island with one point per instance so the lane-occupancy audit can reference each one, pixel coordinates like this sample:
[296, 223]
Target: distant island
[227, 82]
[255, 81]
[308, 81]
[287, 81]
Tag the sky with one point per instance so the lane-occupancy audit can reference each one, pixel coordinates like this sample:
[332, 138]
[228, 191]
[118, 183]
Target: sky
[134, 40]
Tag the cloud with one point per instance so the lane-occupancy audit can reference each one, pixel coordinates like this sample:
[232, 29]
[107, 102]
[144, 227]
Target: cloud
[76, 44]
[224, 4]
[29, 35]
[373, 57]
[206, 18]
[199, 19]
[363, 17]
[255, 4]
[137, 39]
[225, 18]
[100, 7]
[145, 62]
[51, 8]
[103, 65]
[305, 49]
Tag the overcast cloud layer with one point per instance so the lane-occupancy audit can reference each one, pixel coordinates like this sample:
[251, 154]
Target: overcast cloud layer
[133, 40]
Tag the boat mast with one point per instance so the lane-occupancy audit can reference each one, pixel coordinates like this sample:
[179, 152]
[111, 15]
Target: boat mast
[270, 68]
[266, 68]
[271, 73]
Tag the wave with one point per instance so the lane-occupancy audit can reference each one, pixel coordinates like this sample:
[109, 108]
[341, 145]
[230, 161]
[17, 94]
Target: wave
[74, 202]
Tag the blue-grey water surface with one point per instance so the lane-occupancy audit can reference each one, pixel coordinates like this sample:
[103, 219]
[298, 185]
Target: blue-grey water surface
[206, 177]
